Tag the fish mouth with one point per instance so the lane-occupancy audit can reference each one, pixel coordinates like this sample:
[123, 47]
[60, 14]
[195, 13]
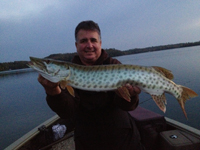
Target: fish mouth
[36, 62]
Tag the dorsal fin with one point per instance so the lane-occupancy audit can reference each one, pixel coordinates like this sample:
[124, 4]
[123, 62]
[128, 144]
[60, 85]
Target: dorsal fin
[167, 73]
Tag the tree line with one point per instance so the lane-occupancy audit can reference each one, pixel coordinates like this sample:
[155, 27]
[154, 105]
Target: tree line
[111, 51]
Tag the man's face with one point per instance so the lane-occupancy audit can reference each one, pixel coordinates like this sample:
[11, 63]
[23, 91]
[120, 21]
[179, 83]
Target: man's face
[88, 46]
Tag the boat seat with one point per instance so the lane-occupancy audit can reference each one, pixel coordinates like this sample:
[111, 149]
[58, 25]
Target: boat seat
[178, 140]
[149, 124]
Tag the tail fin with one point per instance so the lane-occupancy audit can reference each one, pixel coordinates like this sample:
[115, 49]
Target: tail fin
[186, 94]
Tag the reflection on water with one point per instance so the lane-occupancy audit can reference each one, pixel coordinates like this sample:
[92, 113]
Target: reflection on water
[23, 104]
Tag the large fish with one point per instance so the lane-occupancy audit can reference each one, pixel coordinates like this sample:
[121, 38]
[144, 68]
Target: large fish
[153, 80]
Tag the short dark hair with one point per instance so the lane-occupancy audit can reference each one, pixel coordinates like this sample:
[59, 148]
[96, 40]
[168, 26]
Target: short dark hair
[87, 25]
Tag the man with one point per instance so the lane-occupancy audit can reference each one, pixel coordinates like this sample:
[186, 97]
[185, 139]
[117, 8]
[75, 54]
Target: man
[100, 119]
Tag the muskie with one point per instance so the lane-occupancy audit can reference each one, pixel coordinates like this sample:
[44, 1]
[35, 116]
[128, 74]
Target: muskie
[153, 80]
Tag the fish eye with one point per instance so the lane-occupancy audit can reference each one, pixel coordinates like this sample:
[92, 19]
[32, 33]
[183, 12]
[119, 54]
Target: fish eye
[48, 61]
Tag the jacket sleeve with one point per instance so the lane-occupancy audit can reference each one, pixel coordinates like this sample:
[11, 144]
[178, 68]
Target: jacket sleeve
[63, 104]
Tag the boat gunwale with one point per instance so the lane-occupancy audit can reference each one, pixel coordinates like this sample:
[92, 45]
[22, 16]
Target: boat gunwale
[183, 127]
[31, 134]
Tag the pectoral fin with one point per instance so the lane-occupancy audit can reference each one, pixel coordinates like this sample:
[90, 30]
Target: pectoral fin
[160, 100]
[124, 93]
[63, 85]
[70, 90]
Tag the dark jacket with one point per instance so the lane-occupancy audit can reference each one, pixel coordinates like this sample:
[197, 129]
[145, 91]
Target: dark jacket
[100, 119]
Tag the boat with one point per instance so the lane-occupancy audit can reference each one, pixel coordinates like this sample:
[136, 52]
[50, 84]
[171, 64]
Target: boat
[157, 133]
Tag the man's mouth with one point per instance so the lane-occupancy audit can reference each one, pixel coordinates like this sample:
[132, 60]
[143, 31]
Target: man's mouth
[90, 51]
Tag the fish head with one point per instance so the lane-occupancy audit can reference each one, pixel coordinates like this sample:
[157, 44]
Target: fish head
[52, 70]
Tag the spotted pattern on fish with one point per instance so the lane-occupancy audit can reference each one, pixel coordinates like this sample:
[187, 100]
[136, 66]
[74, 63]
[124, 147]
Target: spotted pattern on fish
[153, 80]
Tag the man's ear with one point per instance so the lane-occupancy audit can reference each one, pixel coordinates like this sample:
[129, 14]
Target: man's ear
[76, 44]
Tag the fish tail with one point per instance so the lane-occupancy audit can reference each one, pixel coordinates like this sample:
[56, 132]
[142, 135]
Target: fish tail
[185, 95]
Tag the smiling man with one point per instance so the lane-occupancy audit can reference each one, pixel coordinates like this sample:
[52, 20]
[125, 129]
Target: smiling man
[88, 45]
[101, 119]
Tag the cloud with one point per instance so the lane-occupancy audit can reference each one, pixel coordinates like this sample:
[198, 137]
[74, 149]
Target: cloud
[18, 9]
[40, 28]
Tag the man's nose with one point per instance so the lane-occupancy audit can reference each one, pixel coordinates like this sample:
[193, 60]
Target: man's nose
[89, 44]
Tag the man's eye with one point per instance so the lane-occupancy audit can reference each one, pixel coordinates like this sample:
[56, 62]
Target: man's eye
[83, 41]
[93, 40]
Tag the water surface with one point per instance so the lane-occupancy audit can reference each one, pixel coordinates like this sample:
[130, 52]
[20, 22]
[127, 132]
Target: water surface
[23, 104]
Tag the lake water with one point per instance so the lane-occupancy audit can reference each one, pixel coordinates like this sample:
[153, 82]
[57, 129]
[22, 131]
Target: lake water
[23, 105]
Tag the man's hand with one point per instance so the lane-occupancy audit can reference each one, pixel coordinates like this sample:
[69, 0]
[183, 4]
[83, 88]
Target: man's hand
[127, 91]
[133, 90]
[50, 87]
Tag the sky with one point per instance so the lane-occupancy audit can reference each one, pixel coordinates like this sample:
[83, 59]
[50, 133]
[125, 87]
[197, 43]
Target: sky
[42, 27]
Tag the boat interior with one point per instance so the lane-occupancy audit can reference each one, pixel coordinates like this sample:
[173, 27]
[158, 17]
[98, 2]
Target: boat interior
[157, 133]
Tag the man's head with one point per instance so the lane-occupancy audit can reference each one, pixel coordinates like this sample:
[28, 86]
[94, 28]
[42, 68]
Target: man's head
[87, 25]
[88, 42]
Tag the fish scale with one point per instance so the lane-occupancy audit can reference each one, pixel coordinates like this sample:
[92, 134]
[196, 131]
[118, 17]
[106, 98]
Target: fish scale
[100, 79]
[153, 80]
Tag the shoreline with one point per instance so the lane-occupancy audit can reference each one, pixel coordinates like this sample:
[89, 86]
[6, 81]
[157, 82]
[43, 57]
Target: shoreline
[16, 65]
